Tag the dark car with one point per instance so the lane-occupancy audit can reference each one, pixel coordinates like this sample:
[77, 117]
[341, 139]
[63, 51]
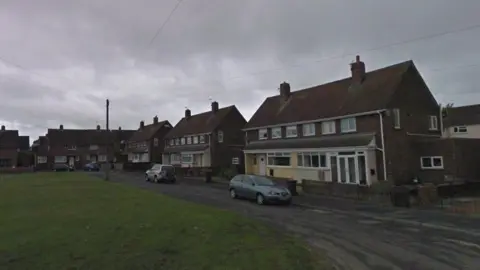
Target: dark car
[91, 167]
[62, 167]
[259, 188]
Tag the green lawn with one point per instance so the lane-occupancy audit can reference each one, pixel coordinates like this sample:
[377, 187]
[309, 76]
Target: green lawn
[71, 221]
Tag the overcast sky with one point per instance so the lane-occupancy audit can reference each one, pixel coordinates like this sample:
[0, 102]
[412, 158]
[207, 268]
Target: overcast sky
[61, 59]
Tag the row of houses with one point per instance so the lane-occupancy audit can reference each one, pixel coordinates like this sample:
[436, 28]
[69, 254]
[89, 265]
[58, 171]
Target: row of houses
[371, 126]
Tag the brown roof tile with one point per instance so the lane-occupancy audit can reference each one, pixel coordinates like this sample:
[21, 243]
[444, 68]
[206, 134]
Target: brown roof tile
[465, 115]
[332, 99]
[9, 139]
[85, 137]
[24, 142]
[200, 123]
[148, 131]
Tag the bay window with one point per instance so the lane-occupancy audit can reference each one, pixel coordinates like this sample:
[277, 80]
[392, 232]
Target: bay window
[278, 159]
[312, 160]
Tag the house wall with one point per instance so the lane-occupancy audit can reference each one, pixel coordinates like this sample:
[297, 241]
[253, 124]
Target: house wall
[473, 132]
[157, 151]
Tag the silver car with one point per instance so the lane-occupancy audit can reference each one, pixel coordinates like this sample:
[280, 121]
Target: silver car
[161, 173]
[258, 188]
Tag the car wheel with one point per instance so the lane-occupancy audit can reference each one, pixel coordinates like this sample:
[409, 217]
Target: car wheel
[260, 199]
[146, 178]
[155, 179]
[233, 193]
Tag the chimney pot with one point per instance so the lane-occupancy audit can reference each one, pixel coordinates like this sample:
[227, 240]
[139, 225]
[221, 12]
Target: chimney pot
[142, 124]
[61, 127]
[358, 71]
[98, 127]
[188, 113]
[119, 128]
[285, 90]
[155, 119]
[214, 107]
[3, 127]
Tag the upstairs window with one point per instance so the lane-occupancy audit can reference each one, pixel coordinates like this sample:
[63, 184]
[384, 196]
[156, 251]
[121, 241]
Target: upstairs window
[433, 123]
[396, 118]
[291, 132]
[202, 138]
[263, 134]
[195, 140]
[328, 127]
[172, 142]
[189, 140]
[182, 141]
[220, 136]
[276, 133]
[460, 129]
[348, 125]
[309, 129]
[177, 141]
[155, 141]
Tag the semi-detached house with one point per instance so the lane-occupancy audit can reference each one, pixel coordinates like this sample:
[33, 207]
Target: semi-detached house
[357, 130]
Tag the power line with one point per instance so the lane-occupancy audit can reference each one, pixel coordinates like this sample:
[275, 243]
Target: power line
[179, 2]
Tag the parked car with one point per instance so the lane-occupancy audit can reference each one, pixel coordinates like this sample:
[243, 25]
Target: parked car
[161, 173]
[259, 188]
[62, 167]
[92, 167]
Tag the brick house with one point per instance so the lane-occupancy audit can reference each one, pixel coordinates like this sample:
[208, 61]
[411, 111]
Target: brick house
[146, 144]
[212, 139]
[14, 149]
[462, 122]
[77, 147]
[357, 130]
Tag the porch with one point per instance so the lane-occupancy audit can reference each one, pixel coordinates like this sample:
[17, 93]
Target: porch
[195, 156]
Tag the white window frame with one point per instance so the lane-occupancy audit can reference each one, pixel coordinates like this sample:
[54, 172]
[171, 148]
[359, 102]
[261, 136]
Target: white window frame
[177, 141]
[201, 139]
[328, 127]
[269, 155]
[220, 136]
[72, 147]
[155, 141]
[396, 118]
[460, 129]
[433, 122]
[291, 131]
[263, 134]
[348, 125]
[182, 141]
[172, 142]
[276, 133]
[189, 159]
[41, 159]
[308, 129]
[195, 140]
[102, 158]
[302, 155]
[189, 140]
[432, 167]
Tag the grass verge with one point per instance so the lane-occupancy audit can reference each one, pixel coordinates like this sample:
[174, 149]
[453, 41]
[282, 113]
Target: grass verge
[72, 221]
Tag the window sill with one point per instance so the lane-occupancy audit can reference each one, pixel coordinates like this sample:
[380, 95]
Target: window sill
[314, 168]
[278, 166]
[431, 168]
[397, 128]
[348, 131]
[308, 135]
[291, 136]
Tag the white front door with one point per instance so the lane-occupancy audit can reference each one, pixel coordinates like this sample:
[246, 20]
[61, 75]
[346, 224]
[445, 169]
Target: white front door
[262, 164]
[71, 161]
[347, 169]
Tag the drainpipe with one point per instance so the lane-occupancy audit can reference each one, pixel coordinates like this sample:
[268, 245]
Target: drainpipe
[441, 122]
[383, 147]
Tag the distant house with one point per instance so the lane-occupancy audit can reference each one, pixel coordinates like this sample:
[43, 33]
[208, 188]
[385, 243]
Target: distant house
[462, 122]
[146, 144]
[211, 139]
[355, 131]
[14, 149]
[77, 147]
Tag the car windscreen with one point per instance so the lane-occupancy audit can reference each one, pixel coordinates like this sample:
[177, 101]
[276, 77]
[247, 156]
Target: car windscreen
[168, 169]
[263, 181]
[156, 167]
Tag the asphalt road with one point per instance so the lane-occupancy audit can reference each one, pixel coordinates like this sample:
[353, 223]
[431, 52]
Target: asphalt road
[350, 239]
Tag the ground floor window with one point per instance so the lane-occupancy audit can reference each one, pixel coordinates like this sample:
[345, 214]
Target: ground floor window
[5, 163]
[312, 160]
[279, 159]
[435, 162]
[60, 159]
[187, 158]
[102, 158]
[41, 159]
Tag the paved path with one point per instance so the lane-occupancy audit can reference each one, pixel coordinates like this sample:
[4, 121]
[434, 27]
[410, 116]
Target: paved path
[351, 239]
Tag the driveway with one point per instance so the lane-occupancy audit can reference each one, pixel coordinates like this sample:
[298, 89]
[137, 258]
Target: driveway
[352, 239]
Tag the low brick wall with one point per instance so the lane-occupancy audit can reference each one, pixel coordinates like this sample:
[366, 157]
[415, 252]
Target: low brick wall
[350, 191]
[16, 170]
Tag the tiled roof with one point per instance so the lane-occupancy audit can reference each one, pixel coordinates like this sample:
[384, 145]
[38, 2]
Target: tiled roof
[24, 142]
[147, 132]
[200, 123]
[333, 99]
[346, 140]
[465, 115]
[9, 139]
[85, 137]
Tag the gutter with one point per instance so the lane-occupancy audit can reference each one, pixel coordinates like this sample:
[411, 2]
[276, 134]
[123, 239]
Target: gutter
[318, 120]
[382, 134]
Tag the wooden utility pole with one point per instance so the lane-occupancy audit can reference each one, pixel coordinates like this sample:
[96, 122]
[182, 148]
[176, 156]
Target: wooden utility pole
[107, 169]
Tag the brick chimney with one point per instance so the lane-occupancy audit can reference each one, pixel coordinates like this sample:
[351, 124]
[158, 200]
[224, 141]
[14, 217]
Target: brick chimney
[155, 119]
[285, 90]
[61, 127]
[358, 70]
[3, 128]
[119, 128]
[142, 124]
[98, 127]
[214, 107]
[188, 113]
